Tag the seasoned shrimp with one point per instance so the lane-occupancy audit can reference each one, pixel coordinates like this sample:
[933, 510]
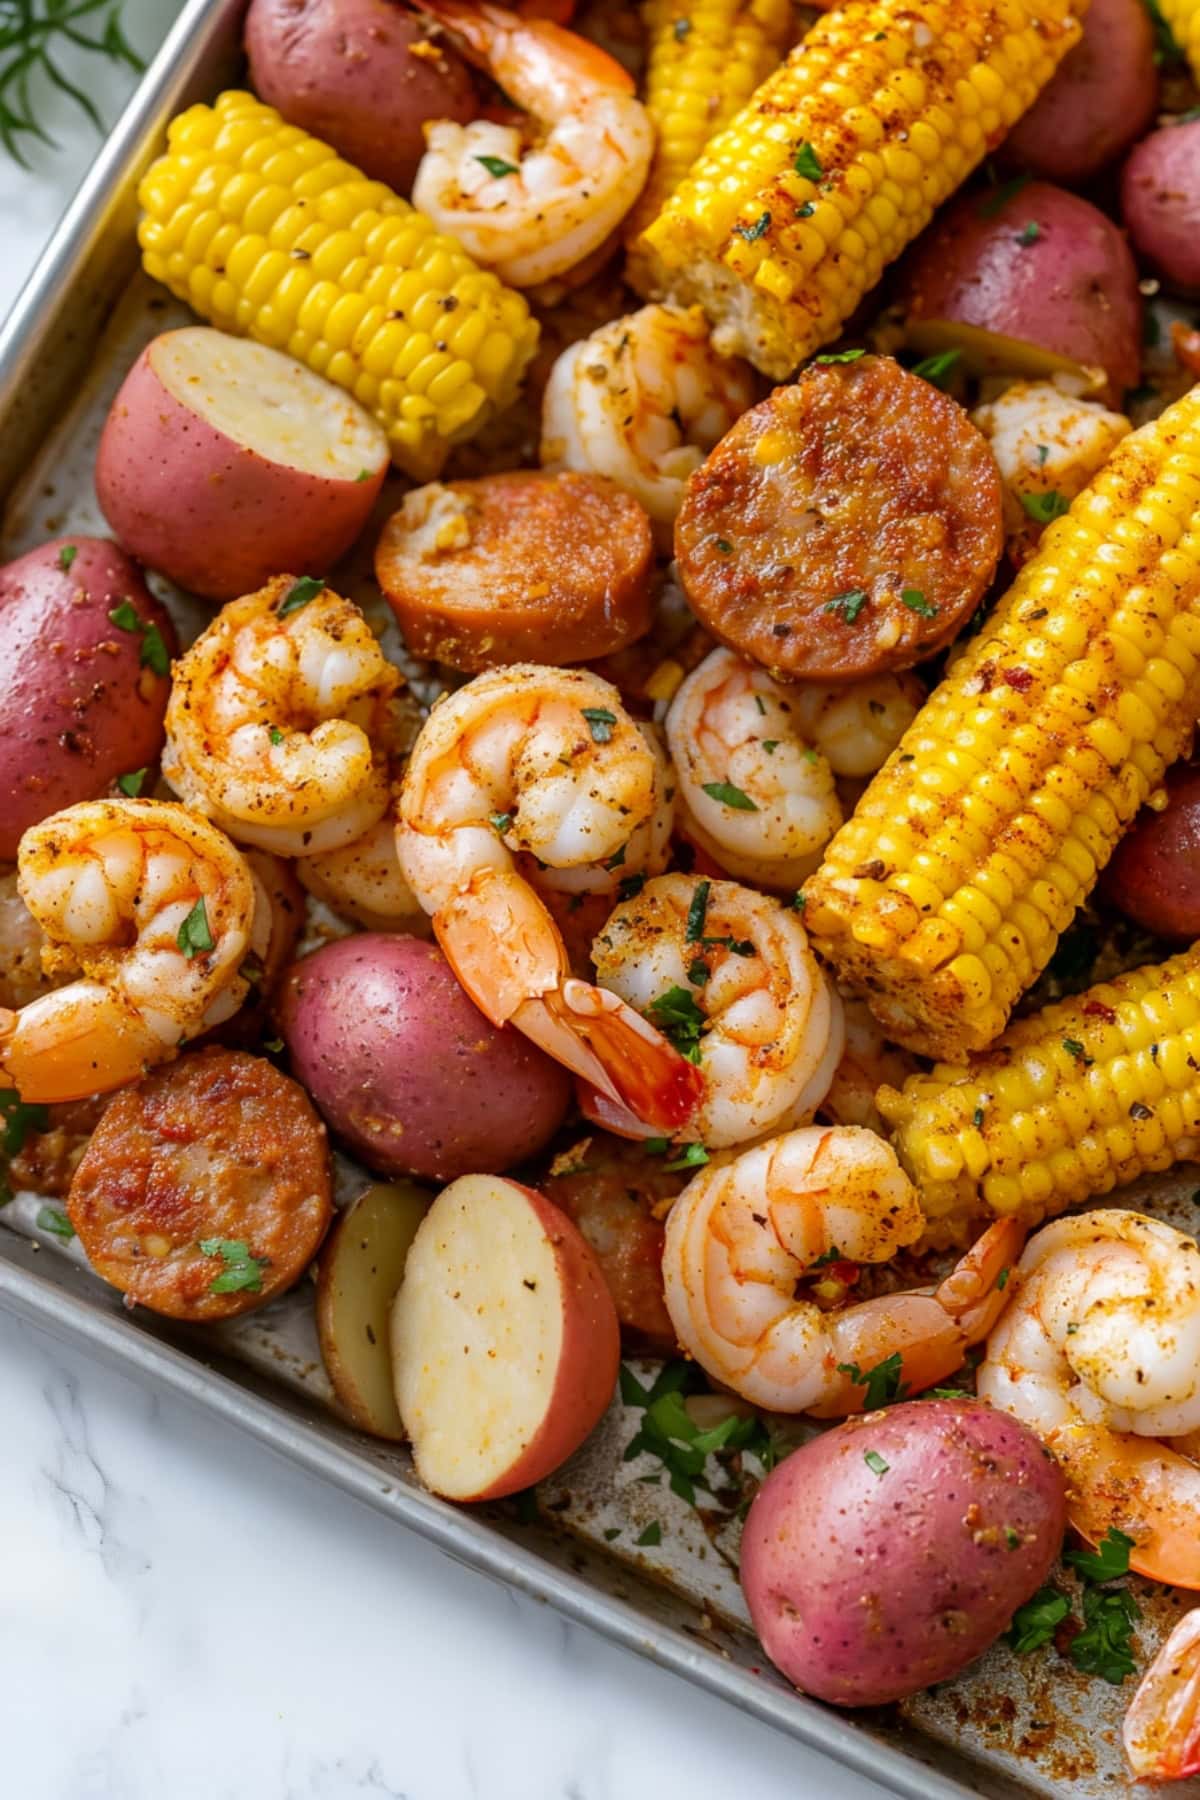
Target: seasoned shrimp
[729, 974]
[1100, 1354]
[531, 211]
[156, 907]
[643, 400]
[754, 792]
[856, 728]
[1162, 1727]
[532, 773]
[363, 882]
[744, 1232]
[868, 1061]
[276, 721]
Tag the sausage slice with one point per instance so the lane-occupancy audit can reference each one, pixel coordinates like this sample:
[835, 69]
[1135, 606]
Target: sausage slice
[206, 1189]
[523, 567]
[848, 525]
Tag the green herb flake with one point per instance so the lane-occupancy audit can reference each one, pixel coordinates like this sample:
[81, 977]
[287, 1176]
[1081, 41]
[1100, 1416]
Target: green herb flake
[363, 475]
[1030, 233]
[154, 653]
[808, 163]
[1012, 1538]
[651, 1535]
[631, 887]
[1043, 451]
[613, 1531]
[500, 823]
[916, 602]
[496, 165]
[770, 745]
[1045, 508]
[1035, 1623]
[799, 901]
[276, 735]
[66, 556]
[617, 858]
[195, 934]
[698, 972]
[1002, 1280]
[299, 594]
[273, 1045]
[947, 1393]
[935, 368]
[752, 233]
[848, 605]
[691, 1156]
[840, 356]
[883, 1383]
[1103, 1646]
[724, 546]
[17, 1120]
[242, 1272]
[54, 1219]
[760, 705]
[657, 1146]
[131, 784]
[1107, 1561]
[680, 1021]
[875, 1463]
[729, 795]
[600, 723]
[124, 616]
[697, 913]
[1075, 1049]
[977, 1117]
[806, 211]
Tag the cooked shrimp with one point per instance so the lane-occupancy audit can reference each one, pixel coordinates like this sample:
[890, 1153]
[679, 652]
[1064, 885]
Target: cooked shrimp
[730, 974]
[363, 882]
[1162, 1727]
[868, 1061]
[531, 211]
[856, 728]
[1100, 1354]
[156, 907]
[643, 400]
[743, 1233]
[754, 792]
[276, 721]
[532, 773]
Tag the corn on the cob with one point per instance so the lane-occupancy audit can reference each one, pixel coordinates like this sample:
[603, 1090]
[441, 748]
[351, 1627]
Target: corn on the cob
[704, 59]
[1183, 17]
[839, 160]
[1073, 1101]
[942, 898]
[262, 230]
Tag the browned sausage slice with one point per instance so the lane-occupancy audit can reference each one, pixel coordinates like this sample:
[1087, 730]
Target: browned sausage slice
[523, 567]
[206, 1189]
[846, 526]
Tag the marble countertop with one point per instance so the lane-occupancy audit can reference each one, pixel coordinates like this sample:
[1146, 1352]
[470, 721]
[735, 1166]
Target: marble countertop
[182, 1617]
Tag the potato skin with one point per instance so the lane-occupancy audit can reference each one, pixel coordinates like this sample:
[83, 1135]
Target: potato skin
[1069, 288]
[347, 71]
[1154, 875]
[1160, 203]
[1103, 96]
[406, 1070]
[864, 1586]
[77, 708]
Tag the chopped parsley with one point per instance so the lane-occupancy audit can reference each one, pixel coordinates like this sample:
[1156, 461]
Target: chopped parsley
[680, 1021]
[1043, 451]
[770, 745]
[669, 1433]
[697, 913]
[875, 1463]
[363, 475]
[500, 823]
[883, 1383]
[752, 233]
[496, 165]
[631, 887]
[242, 1272]
[54, 1219]
[840, 356]
[600, 723]
[1035, 1623]
[698, 972]
[66, 556]
[17, 1120]
[977, 1117]
[651, 1535]
[724, 546]
[299, 594]
[1030, 234]
[848, 605]
[808, 163]
[806, 211]
[131, 784]
[1075, 1049]
[691, 1156]
[916, 602]
[729, 795]
[1102, 1647]
[1107, 1561]
[195, 934]
[1044, 508]
[934, 368]
[1002, 1280]
[617, 858]
[276, 735]
[153, 655]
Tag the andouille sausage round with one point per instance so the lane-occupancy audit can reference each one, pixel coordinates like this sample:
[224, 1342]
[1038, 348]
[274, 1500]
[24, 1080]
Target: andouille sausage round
[847, 525]
[206, 1189]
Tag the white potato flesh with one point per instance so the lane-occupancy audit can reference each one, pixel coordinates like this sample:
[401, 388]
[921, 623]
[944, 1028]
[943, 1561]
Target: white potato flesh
[267, 402]
[362, 1267]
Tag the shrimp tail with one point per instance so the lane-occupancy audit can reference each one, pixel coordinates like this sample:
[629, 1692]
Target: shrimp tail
[649, 1084]
[485, 34]
[982, 1283]
[1161, 1732]
[48, 1051]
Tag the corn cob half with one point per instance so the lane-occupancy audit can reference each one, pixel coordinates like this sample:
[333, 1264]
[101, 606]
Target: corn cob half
[1183, 17]
[1073, 1101]
[704, 59]
[942, 899]
[839, 160]
[265, 232]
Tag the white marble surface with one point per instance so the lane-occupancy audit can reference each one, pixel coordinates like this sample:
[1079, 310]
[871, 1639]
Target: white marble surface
[182, 1617]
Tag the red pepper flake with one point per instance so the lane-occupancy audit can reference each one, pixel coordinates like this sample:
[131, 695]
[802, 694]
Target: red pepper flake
[1096, 1009]
[845, 1272]
[1020, 680]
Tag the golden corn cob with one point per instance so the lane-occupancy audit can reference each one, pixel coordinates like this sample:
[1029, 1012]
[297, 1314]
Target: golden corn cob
[265, 232]
[942, 899]
[839, 160]
[704, 59]
[1183, 17]
[1073, 1101]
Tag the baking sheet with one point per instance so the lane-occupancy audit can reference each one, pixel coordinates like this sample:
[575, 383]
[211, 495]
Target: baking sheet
[1009, 1727]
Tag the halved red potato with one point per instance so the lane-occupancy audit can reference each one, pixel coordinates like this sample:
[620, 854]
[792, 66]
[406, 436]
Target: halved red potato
[223, 462]
[362, 1266]
[504, 1339]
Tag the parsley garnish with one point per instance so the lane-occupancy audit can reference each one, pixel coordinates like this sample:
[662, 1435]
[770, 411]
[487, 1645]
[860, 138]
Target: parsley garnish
[669, 1433]
[496, 165]
[1031, 233]
[1102, 1647]
[808, 163]
[770, 745]
[698, 972]
[691, 1156]
[849, 604]
[631, 887]
[1043, 451]
[500, 823]
[876, 1463]
[276, 735]
[883, 1383]
[54, 1219]
[1074, 1048]
[651, 1535]
[1044, 508]
[752, 233]
[840, 356]
[600, 723]
[66, 556]
[697, 913]
[680, 1021]
[19, 1119]
[131, 784]
[916, 602]
[1035, 1623]
[728, 795]
[195, 934]
[932, 368]
[242, 1272]
[299, 594]
[1107, 1561]
[724, 546]
[153, 654]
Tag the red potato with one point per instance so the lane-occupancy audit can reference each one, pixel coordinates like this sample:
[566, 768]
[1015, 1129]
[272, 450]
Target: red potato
[406, 1070]
[223, 462]
[887, 1554]
[83, 695]
[364, 75]
[1039, 284]
[362, 1266]
[1154, 875]
[1160, 203]
[1101, 99]
[505, 1344]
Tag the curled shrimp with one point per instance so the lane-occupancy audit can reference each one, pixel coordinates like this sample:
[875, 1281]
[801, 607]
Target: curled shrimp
[276, 720]
[1161, 1732]
[733, 973]
[531, 211]
[744, 1232]
[156, 908]
[528, 773]
[868, 1061]
[754, 791]
[1100, 1354]
[363, 882]
[643, 400]
[856, 728]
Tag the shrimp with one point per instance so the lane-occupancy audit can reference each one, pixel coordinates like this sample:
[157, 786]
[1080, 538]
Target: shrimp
[856, 728]
[156, 908]
[744, 1232]
[730, 975]
[533, 211]
[277, 719]
[527, 774]
[363, 882]
[643, 400]
[1162, 1727]
[753, 790]
[1100, 1354]
[868, 1061]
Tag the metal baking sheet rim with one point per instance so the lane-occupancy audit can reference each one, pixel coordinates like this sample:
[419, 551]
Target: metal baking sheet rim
[40, 351]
